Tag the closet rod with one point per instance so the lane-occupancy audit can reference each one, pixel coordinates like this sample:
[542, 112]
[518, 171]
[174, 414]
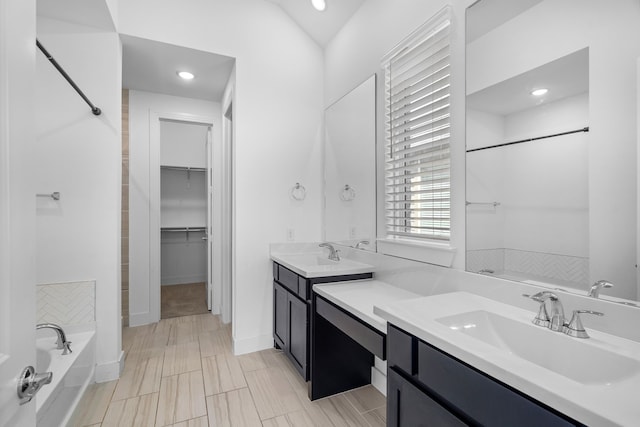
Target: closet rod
[183, 229]
[584, 129]
[95, 110]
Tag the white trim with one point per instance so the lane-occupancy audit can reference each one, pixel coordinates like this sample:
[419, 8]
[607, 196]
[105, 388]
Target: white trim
[139, 319]
[251, 345]
[154, 206]
[430, 252]
[110, 371]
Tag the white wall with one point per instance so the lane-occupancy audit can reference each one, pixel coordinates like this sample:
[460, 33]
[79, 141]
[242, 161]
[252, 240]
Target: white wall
[79, 155]
[355, 53]
[612, 34]
[278, 110]
[142, 107]
[542, 186]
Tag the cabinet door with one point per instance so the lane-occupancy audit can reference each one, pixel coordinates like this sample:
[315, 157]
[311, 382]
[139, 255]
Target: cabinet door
[280, 320]
[407, 406]
[298, 327]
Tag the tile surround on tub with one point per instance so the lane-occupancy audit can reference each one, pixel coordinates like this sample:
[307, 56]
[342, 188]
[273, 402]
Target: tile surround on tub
[66, 304]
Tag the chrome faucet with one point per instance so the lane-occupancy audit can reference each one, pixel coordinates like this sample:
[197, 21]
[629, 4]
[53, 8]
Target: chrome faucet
[63, 344]
[333, 252]
[554, 315]
[594, 290]
[361, 242]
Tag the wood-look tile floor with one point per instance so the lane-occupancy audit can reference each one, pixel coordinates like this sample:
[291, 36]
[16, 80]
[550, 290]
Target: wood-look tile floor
[181, 372]
[183, 300]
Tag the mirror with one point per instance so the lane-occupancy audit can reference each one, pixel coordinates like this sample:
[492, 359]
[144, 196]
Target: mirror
[551, 177]
[349, 168]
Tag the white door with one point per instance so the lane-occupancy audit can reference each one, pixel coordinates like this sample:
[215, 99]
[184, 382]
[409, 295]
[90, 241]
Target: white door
[17, 206]
[209, 233]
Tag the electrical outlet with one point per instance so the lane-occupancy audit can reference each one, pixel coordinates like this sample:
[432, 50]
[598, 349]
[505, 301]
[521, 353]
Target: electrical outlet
[291, 234]
[352, 232]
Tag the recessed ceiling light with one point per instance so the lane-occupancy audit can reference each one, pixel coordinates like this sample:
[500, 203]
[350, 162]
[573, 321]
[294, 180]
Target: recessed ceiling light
[185, 75]
[539, 92]
[320, 5]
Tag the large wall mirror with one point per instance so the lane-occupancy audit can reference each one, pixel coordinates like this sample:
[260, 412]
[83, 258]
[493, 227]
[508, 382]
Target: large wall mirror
[349, 168]
[551, 139]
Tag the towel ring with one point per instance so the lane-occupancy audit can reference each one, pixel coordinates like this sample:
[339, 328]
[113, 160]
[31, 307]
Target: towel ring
[348, 193]
[298, 192]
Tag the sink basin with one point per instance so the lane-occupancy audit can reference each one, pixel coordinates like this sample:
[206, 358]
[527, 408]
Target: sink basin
[318, 265]
[571, 357]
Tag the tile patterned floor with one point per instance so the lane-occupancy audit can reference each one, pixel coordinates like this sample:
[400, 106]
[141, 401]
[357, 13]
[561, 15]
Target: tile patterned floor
[181, 372]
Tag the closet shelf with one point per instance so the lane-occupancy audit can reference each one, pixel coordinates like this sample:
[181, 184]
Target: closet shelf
[183, 229]
[182, 168]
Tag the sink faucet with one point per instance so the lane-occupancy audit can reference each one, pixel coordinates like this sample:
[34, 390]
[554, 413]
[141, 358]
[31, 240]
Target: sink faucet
[360, 243]
[63, 344]
[555, 312]
[594, 290]
[333, 252]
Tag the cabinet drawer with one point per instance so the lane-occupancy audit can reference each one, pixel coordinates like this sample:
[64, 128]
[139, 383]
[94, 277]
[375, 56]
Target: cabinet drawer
[476, 395]
[405, 350]
[368, 337]
[288, 279]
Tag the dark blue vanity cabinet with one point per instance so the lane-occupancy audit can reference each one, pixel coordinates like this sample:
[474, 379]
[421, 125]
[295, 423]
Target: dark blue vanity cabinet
[291, 312]
[427, 387]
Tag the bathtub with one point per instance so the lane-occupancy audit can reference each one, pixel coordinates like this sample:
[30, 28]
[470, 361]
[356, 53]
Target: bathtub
[72, 374]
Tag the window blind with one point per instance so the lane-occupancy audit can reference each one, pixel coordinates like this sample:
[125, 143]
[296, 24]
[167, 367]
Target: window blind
[417, 185]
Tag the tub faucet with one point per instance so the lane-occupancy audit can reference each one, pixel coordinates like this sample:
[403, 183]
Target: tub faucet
[63, 344]
[360, 243]
[555, 315]
[594, 290]
[333, 252]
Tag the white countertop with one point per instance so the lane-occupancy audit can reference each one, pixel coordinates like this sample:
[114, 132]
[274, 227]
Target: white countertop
[316, 264]
[606, 404]
[360, 296]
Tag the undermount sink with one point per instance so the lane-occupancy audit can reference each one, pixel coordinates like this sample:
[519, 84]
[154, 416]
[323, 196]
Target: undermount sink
[567, 356]
[318, 265]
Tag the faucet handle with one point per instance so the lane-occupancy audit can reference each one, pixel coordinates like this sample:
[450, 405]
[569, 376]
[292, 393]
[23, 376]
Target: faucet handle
[575, 328]
[542, 318]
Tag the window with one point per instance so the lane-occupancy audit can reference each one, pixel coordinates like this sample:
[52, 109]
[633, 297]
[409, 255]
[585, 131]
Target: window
[417, 173]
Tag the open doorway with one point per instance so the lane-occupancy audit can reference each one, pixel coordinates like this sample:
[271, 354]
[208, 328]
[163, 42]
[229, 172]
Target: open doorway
[177, 216]
[185, 209]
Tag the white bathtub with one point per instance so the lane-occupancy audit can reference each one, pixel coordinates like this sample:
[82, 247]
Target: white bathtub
[72, 374]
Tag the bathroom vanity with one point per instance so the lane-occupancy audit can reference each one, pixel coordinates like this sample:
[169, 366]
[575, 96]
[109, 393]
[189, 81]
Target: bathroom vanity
[293, 279]
[426, 383]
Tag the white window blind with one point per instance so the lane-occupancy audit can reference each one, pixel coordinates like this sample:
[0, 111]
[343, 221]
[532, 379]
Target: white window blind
[417, 79]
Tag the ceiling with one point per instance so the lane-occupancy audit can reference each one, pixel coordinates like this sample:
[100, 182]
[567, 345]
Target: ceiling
[484, 16]
[152, 66]
[321, 26]
[564, 77]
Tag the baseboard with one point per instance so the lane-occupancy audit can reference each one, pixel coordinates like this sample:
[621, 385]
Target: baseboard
[379, 380]
[379, 375]
[109, 371]
[253, 344]
[139, 319]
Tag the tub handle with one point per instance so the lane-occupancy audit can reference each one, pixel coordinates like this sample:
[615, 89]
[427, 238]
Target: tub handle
[30, 382]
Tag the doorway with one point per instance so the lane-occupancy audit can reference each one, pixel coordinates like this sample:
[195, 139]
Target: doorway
[185, 209]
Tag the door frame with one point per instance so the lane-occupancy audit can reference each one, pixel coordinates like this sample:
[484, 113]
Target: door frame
[17, 205]
[155, 200]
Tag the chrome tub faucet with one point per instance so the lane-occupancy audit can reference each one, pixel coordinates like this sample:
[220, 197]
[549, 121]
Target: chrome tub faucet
[594, 290]
[63, 344]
